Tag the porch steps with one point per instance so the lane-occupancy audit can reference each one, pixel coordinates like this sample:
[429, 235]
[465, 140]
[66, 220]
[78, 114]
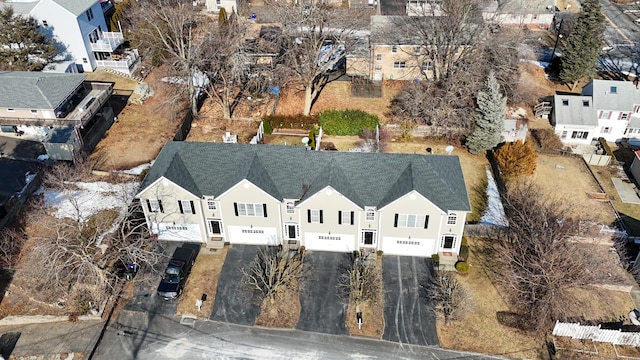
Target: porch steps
[121, 74]
[214, 245]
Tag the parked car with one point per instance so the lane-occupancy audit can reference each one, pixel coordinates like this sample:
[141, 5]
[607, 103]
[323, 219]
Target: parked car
[176, 273]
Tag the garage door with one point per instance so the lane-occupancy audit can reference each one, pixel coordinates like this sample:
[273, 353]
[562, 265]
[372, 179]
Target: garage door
[410, 247]
[177, 232]
[252, 235]
[329, 242]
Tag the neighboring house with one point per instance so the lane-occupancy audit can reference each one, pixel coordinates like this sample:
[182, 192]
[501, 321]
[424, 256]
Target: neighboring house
[210, 193]
[263, 43]
[634, 169]
[230, 6]
[515, 130]
[53, 102]
[605, 108]
[80, 26]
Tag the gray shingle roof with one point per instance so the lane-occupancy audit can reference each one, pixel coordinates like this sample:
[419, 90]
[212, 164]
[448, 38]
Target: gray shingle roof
[368, 179]
[22, 8]
[626, 95]
[574, 113]
[76, 7]
[36, 90]
[411, 30]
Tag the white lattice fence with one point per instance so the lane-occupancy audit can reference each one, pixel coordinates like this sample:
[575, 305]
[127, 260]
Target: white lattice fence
[595, 333]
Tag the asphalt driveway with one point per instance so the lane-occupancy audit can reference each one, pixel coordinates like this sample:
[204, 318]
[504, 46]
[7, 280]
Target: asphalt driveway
[323, 307]
[236, 302]
[408, 316]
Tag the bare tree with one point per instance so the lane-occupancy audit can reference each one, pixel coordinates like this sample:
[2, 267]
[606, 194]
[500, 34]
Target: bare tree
[362, 280]
[316, 38]
[11, 242]
[274, 271]
[449, 294]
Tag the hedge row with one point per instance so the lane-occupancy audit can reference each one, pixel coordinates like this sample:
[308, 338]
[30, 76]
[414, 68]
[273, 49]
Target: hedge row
[346, 122]
[288, 122]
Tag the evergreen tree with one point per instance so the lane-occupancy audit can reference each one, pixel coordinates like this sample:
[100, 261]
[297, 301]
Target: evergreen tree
[23, 44]
[489, 118]
[517, 159]
[580, 56]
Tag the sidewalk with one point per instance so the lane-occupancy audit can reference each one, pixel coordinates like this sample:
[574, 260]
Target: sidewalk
[51, 340]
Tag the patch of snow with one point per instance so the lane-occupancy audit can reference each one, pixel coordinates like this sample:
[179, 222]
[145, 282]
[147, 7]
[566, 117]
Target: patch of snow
[494, 213]
[43, 157]
[136, 170]
[90, 198]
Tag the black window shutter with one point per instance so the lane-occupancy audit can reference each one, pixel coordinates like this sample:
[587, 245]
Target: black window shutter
[180, 206]
[160, 205]
[193, 208]
[320, 216]
[395, 221]
[149, 205]
[426, 221]
[264, 208]
[235, 208]
[339, 217]
[309, 215]
[352, 215]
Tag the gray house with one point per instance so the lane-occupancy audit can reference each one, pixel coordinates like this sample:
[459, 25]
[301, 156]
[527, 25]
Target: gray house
[212, 193]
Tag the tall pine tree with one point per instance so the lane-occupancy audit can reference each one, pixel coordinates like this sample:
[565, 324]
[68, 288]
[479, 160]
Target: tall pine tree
[580, 56]
[489, 118]
[23, 44]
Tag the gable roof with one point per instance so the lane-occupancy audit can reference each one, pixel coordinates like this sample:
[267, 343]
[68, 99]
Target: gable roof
[36, 90]
[627, 94]
[574, 113]
[21, 8]
[367, 179]
[409, 30]
[76, 7]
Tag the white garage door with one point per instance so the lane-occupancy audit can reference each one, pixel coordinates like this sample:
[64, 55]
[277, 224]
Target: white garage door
[252, 235]
[177, 232]
[410, 247]
[326, 242]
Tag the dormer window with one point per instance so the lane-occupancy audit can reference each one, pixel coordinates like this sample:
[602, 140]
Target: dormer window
[211, 204]
[451, 220]
[394, 49]
[290, 207]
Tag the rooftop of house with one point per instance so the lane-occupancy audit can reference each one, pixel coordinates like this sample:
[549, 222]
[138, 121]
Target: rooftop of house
[574, 110]
[612, 94]
[76, 7]
[36, 90]
[405, 30]
[519, 6]
[21, 8]
[290, 172]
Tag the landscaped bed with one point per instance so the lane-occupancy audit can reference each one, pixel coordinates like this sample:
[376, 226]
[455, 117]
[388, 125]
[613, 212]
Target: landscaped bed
[203, 280]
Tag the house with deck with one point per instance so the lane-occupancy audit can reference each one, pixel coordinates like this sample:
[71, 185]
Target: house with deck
[605, 108]
[81, 27]
[215, 193]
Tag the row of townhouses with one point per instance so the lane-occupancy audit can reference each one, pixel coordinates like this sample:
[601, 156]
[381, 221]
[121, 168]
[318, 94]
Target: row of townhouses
[215, 193]
[605, 108]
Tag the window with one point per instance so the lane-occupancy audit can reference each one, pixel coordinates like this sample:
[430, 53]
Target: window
[585, 103]
[624, 116]
[613, 89]
[427, 66]
[636, 108]
[394, 49]
[579, 134]
[345, 217]
[34, 111]
[45, 23]
[314, 216]
[211, 204]
[370, 214]
[290, 207]
[606, 114]
[399, 64]
[218, 4]
[448, 242]
[451, 220]
[244, 209]
[416, 50]
[606, 130]
[84, 60]
[411, 221]
[155, 205]
[565, 102]
[186, 207]
[564, 135]
[89, 14]
[378, 57]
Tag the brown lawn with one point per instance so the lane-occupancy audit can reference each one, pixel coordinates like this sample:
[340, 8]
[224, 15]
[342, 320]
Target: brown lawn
[203, 280]
[283, 313]
[372, 313]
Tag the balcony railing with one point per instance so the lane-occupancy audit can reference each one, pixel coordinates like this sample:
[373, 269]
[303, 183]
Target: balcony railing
[120, 62]
[108, 42]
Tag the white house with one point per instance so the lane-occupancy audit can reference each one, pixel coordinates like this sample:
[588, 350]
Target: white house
[230, 6]
[81, 27]
[212, 193]
[605, 108]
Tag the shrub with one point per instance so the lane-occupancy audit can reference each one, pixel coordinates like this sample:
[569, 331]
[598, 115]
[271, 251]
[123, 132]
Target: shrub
[406, 130]
[266, 125]
[313, 132]
[462, 267]
[464, 252]
[517, 159]
[547, 139]
[347, 122]
[290, 121]
[435, 258]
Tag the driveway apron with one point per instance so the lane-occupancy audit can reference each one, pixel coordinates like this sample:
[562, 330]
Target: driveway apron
[323, 308]
[408, 316]
[236, 302]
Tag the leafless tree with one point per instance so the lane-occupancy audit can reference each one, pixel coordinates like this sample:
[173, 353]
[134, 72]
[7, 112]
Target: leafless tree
[316, 38]
[362, 280]
[534, 258]
[274, 271]
[451, 297]
[11, 242]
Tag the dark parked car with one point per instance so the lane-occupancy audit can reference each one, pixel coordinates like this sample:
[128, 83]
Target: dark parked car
[176, 273]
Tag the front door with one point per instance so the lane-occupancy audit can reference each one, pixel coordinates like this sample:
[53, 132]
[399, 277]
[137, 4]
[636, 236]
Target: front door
[215, 227]
[291, 231]
[368, 238]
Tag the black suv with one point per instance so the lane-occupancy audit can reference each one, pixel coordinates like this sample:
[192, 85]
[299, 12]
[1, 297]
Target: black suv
[176, 273]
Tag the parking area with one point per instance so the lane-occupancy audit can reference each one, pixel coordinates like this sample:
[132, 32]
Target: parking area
[235, 302]
[322, 308]
[409, 316]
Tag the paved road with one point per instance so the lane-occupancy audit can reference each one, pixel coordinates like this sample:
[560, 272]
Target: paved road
[323, 307]
[164, 338]
[621, 37]
[235, 302]
[408, 316]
